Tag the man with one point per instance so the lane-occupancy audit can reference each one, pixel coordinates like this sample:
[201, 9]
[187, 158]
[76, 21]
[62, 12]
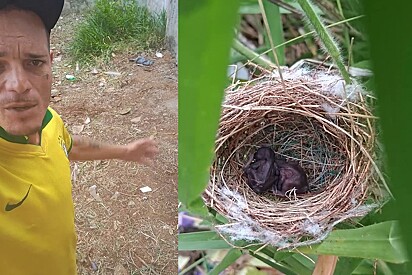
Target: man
[37, 234]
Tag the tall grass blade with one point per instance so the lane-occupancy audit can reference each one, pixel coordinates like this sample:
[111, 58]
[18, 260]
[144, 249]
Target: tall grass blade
[326, 38]
[251, 55]
[278, 266]
[274, 20]
[228, 260]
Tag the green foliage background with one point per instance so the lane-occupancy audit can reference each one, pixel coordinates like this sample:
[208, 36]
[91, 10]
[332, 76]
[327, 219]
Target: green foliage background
[388, 26]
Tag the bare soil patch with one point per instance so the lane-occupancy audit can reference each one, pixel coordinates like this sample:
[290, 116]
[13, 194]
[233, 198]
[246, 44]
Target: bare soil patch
[128, 231]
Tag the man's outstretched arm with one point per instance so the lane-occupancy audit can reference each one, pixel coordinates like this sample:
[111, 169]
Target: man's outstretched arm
[141, 151]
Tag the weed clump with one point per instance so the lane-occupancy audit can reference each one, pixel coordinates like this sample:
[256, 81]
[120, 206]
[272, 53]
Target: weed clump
[112, 25]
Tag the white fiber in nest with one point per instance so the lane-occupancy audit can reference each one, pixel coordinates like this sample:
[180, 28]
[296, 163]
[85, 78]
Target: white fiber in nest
[330, 110]
[287, 74]
[334, 85]
[245, 228]
[312, 228]
[330, 83]
[362, 210]
[240, 201]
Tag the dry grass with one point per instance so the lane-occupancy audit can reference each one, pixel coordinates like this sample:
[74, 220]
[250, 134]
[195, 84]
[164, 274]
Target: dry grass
[129, 231]
[337, 151]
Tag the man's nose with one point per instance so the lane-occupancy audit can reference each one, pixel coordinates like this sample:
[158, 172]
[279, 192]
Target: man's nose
[17, 80]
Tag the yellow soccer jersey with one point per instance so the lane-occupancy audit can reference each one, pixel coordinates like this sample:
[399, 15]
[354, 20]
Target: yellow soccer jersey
[37, 234]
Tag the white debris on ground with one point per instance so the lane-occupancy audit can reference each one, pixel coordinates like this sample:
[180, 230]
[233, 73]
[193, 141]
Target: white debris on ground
[94, 194]
[146, 189]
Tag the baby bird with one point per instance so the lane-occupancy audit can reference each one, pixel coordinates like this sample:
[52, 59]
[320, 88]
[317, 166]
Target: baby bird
[264, 172]
[290, 175]
[260, 170]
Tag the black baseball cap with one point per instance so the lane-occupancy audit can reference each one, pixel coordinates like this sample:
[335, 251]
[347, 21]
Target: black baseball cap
[48, 10]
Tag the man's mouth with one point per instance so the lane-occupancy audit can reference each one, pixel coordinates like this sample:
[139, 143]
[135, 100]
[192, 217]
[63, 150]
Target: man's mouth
[19, 107]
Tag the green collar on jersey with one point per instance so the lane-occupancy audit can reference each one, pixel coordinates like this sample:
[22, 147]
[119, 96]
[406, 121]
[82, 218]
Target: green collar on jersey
[23, 139]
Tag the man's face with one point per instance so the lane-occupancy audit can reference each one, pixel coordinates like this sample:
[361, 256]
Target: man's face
[25, 72]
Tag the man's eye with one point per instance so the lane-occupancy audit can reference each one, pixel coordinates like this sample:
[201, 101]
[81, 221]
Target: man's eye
[36, 63]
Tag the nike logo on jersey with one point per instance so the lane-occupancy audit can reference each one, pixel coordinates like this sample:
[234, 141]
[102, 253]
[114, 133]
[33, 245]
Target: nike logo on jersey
[11, 206]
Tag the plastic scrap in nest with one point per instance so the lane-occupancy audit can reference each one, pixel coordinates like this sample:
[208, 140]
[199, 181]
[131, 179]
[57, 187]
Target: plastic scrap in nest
[312, 118]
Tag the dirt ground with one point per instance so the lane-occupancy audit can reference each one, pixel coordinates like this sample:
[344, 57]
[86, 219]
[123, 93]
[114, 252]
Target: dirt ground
[127, 231]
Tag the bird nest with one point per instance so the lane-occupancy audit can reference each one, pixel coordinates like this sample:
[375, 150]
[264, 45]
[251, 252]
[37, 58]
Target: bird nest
[309, 117]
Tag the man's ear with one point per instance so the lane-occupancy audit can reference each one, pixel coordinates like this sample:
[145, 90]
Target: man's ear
[51, 56]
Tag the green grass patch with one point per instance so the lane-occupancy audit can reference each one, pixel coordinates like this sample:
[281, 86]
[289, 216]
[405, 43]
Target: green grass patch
[116, 25]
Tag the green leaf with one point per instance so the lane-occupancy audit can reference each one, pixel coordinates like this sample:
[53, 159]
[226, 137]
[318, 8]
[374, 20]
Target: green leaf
[345, 266]
[372, 267]
[280, 267]
[379, 241]
[197, 207]
[276, 30]
[205, 36]
[393, 70]
[201, 241]
[299, 264]
[247, 8]
[187, 269]
[364, 268]
[282, 255]
[326, 38]
[251, 55]
[209, 240]
[393, 269]
[364, 64]
[267, 250]
[229, 259]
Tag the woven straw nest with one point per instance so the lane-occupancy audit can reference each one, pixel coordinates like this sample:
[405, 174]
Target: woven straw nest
[311, 118]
